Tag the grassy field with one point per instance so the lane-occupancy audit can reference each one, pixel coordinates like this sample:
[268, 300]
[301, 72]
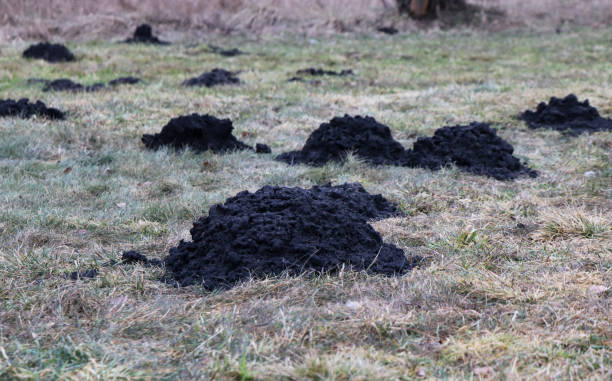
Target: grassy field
[517, 280]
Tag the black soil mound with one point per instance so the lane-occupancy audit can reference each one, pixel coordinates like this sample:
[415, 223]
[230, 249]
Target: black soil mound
[293, 230]
[321, 72]
[262, 148]
[144, 35]
[132, 257]
[24, 109]
[213, 78]
[475, 148]
[199, 132]
[225, 52]
[49, 52]
[387, 30]
[65, 84]
[567, 115]
[363, 136]
[124, 81]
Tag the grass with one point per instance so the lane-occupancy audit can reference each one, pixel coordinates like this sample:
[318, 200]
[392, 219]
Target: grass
[517, 277]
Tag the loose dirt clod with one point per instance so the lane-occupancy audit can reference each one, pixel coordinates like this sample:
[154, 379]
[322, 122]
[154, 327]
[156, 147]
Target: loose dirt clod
[199, 132]
[387, 30]
[24, 109]
[364, 136]
[124, 81]
[49, 52]
[131, 257]
[213, 78]
[262, 148]
[567, 115]
[65, 84]
[475, 148]
[320, 72]
[225, 52]
[144, 35]
[296, 230]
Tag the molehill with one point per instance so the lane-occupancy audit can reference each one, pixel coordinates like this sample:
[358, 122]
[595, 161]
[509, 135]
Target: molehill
[49, 52]
[213, 78]
[65, 84]
[321, 72]
[474, 148]
[199, 132]
[567, 115]
[144, 35]
[24, 109]
[293, 230]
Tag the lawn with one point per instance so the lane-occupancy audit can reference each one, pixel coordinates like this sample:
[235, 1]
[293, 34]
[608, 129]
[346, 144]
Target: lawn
[517, 278]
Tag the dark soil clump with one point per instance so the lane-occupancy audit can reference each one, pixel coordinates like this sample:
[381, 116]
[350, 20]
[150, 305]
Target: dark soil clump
[49, 52]
[132, 257]
[332, 141]
[76, 275]
[387, 30]
[213, 78]
[475, 148]
[199, 132]
[567, 115]
[262, 148]
[293, 230]
[65, 84]
[24, 109]
[225, 52]
[124, 81]
[144, 35]
[320, 72]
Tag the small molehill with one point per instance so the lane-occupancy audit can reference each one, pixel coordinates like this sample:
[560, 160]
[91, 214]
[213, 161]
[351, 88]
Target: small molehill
[213, 78]
[292, 230]
[49, 52]
[475, 148]
[65, 84]
[24, 109]
[321, 72]
[144, 35]
[198, 132]
[364, 136]
[225, 52]
[567, 115]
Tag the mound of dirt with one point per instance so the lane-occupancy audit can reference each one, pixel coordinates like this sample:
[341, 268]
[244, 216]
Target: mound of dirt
[24, 109]
[262, 148]
[567, 115]
[49, 52]
[199, 132]
[475, 148]
[65, 84]
[364, 136]
[144, 35]
[321, 72]
[213, 78]
[279, 229]
[225, 52]
[124, 81]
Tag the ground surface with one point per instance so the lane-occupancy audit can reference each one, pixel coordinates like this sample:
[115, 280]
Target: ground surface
[518, 274]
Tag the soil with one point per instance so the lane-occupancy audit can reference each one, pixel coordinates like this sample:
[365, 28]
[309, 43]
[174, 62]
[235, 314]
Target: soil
[321, 72]
[76, 275]
[213, 78]
[292, 230]
[225, 52]
[144, 35]
[65, 84]
[262, 148]
[124, 81]
[24, 109]
[49, 52]
[475, 148]
[567, 115]
[132, 257]
[199, 132]
[370, 140]
[387, 30]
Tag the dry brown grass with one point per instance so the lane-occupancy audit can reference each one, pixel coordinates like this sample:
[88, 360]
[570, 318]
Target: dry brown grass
[89, 19]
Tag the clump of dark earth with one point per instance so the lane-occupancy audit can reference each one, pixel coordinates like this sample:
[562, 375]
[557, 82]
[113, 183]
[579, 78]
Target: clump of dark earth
[76, 275]
[474, 148]
[293, 230]
[567, 115]
[65, 84]
[49, 52]
[144, 34]
[24, 109]
[213, 78]
[262, 148]
[199, 132]
[225, 52]
[368, 139]
[387, 30]
[132, 257]
[124, 81]
[321, 72]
